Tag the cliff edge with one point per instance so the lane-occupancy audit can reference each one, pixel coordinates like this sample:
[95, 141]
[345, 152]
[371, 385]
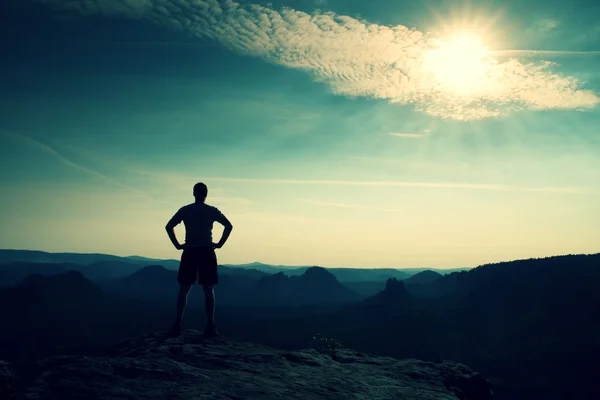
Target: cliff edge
[157, 367]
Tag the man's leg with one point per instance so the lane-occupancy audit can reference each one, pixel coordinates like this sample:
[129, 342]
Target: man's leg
[184, 290]
[208, 277]
[209, 306]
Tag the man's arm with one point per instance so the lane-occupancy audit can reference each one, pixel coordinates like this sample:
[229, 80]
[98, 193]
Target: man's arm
[173, 222]
[226, 232]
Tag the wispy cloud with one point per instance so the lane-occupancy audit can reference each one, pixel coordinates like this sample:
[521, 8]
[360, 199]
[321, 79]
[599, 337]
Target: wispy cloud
[406, 135]
[230, 200]
[187, 180]
[545, 53]
[434, 185]
[53, 152]
[354, 57]
[274, 217]
[174, 183]
[353, 206]
[544, 25]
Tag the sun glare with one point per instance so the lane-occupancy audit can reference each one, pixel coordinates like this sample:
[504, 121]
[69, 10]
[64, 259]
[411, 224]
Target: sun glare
[459, 63]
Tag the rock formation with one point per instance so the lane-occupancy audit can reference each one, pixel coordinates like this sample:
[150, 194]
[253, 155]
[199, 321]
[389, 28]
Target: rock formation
[157, 367]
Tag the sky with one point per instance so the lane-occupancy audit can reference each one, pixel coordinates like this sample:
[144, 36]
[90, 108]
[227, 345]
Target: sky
[339, 133]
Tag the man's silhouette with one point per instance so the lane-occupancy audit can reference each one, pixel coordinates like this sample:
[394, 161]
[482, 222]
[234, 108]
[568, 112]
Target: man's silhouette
[198, 260]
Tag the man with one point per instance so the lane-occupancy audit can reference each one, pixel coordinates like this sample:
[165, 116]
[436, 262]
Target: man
[198, 260]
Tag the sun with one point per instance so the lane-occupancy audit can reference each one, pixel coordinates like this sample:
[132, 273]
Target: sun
[459, 63]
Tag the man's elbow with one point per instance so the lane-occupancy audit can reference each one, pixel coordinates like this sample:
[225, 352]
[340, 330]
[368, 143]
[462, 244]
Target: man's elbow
[169, 227]
[229, 226]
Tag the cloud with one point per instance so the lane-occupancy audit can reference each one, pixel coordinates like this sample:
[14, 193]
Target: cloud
[187, 181]
[545, 53]
[356, 58]
[407, 135]
[230, 200]
[274, 217]
[173, 185]
[345, 205]
[434, 185]
[544, 25]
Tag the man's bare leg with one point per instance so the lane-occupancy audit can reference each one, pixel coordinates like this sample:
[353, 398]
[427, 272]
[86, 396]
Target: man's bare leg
[184, 290]
[209, 308]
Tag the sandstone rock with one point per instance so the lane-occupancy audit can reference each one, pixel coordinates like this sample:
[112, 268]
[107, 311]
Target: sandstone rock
[8, 380]
[156, 367]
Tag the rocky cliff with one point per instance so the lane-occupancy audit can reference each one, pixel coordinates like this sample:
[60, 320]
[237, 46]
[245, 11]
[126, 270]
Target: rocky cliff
[157, 367]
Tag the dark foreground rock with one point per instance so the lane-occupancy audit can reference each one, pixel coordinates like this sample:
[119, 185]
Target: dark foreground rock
[8, 380]
[156, 367]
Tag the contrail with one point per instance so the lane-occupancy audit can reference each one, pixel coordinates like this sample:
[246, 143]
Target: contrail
[49, 150]
[353, 206]
[548, 53]
[442, 185]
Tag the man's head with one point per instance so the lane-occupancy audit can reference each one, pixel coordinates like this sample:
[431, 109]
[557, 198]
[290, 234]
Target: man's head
[200, 191]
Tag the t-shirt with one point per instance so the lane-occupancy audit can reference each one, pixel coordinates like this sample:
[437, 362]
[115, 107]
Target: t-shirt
[198, 219]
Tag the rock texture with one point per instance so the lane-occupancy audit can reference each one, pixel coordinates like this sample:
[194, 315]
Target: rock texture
[8, 380]
[156, 367]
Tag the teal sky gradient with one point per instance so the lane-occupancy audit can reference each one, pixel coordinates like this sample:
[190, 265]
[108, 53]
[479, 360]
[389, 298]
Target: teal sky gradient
[107, 119]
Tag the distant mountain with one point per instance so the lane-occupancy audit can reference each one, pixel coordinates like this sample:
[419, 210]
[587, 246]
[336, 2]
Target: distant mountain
[111, 266]
[35, 256]
[48, 311]
[393, 296]
[67, 285]
[539, 310]
[153, 275]
[348, 274]
[320, 283]
[391, 300]
[140, 259]
[366, 288]
[367, 274]
[443, 271]
[44, 314]
[239, 288]
[270, 269]
[247, 272]
[14, 272]
[427, 276]
[153, 280]
[101, 270]
[45, 299]
[315, 286]
[342, 274]
[158, 284]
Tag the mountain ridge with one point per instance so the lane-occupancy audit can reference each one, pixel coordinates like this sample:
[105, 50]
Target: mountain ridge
[37, 256]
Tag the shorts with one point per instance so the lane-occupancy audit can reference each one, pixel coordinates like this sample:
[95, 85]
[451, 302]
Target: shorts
[198, 263]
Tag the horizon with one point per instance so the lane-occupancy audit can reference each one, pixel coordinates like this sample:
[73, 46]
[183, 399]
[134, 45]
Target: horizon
[330, 132]
[315, 265]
